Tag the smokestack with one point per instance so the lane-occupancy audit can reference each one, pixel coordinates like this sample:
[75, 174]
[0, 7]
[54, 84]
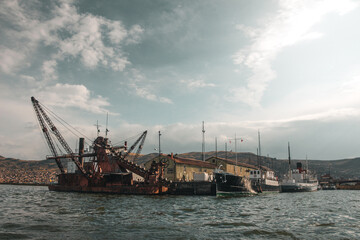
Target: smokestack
[81, 151]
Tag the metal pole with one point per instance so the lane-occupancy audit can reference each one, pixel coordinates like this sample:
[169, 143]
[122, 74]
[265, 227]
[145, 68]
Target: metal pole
[225, 150]
[289, 159]
[235, 153]
[259, 143]
[159, 146]
[203, 142]
[161, 168]
[216, 147]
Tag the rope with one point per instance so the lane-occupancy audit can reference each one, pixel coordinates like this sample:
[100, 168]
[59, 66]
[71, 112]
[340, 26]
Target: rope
[128, 139]
[63, 122]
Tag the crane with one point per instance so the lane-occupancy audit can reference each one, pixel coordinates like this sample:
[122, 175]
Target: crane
[101, 171]
[45, 121]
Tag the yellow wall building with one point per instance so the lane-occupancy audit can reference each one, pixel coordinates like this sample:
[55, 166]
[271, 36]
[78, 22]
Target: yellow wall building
[183, 169]
[229, 165]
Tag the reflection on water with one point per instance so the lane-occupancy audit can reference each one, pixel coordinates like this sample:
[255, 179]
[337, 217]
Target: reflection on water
[34, 212]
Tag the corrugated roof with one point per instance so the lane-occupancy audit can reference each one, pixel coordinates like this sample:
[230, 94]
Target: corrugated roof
[233, 162]
[193, 162]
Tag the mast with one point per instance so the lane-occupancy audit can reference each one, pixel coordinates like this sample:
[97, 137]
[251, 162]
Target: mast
[259, 143]
[216, 147]
[159, 146]
[289, 159]
[236, 159]
[259, 151]
[225, 150]
[203, 142]
[235, 153]
[107, 119]
[97, 127]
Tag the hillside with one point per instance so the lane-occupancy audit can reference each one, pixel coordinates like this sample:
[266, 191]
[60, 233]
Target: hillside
[344, 168]
[27, 172]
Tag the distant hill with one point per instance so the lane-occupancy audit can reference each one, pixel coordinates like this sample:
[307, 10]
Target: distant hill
[12, 163]
[344, 168]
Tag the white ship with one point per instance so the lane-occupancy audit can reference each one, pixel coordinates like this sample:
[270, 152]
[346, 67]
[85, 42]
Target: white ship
[298, 180]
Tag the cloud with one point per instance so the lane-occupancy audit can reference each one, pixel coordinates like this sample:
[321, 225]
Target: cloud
[196, 83]
[49, 70]
[93, 39]
[146, 94]
[67, 95]
[10, 60]
[135, 34]
[291, 24]
[144, 88]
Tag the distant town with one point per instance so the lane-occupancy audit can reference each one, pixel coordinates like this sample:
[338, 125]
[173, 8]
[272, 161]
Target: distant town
[14, 171]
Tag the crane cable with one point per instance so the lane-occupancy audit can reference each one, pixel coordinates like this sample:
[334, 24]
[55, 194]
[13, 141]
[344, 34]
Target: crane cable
[128, 139]
[63, 122]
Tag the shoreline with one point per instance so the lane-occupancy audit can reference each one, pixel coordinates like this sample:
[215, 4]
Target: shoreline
[26, 184]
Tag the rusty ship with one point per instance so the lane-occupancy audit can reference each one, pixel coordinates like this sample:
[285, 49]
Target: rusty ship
[104, 169]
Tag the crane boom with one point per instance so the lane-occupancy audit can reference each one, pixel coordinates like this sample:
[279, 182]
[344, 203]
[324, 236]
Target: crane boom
[142, 138]
[140, 147]
[41, 114]
[46, 134]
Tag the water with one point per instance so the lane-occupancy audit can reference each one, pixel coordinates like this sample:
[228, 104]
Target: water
[31, 212]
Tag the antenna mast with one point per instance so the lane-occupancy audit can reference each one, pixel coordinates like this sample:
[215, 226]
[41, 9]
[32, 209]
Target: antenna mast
[259, 143]
[97, 127]
[203, 142]
[259, 152]
[216, 147]
[107, 120]
[289, 159]
[225, 150]
[159, 146]
[236, 151]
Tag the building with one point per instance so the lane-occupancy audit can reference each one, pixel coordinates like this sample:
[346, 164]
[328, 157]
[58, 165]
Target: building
[184, 169]
[230, 166]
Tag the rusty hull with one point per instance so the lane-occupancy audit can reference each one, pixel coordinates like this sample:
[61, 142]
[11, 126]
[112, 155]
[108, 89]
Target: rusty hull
[111, 183]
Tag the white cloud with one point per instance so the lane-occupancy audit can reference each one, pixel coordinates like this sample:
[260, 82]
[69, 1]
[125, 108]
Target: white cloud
[10, 60]
[291, 24]
[49, 70]
[196, 83]
[146, 94]
[117, 31]
[68, 32]
[143, 87]
[66, 95]
[135, 34]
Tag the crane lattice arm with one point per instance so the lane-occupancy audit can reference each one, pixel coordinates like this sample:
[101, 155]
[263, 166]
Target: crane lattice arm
[142, 139]
[46, 134]
[132, 166]
[43, 116]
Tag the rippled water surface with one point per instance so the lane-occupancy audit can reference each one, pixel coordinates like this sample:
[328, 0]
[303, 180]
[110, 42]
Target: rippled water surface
[36, 213]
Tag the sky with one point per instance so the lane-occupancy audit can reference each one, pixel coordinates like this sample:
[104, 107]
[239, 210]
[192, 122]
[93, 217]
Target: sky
[287, 69]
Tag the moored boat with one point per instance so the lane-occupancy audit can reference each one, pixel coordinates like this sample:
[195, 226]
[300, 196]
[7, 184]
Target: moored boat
[299, 179]
[228, 184]
[264, 181]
